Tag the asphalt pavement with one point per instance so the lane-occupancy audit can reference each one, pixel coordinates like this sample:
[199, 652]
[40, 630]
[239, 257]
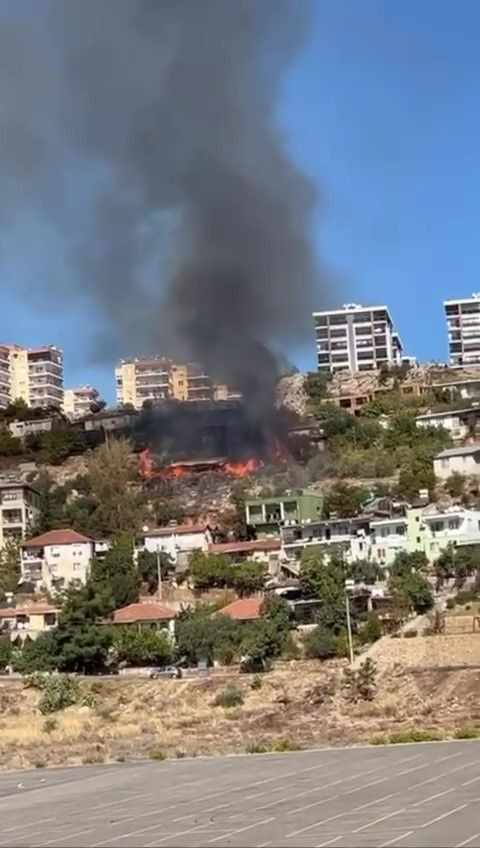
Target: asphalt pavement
[406, 795]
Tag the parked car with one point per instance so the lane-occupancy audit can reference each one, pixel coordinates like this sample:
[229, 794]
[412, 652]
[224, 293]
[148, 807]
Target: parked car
[167, 672]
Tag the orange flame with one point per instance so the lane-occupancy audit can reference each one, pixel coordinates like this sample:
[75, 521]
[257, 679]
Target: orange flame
[242, 469]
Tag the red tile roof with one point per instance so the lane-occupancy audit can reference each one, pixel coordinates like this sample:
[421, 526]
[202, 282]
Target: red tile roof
[34, 609]
[245, 547]
[143, 611]
[180, 529]
[56, 537]
[246, 609]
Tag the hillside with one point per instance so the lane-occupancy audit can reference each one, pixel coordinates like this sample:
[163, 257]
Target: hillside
[303, 703]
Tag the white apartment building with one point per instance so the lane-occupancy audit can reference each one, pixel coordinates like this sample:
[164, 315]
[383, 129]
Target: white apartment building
[177, 541]
[157, 378]
[456, 525]
[459, 423]
[462, 459]
[77, 402]
[463, 327]
[388, 538]
[56, 559]
[20, 506]
[35, 375]
[356, 338]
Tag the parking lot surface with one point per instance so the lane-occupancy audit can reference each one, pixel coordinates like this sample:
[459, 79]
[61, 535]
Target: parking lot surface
[405, 795]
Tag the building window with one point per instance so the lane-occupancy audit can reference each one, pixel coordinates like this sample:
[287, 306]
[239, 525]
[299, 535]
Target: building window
[444, 463]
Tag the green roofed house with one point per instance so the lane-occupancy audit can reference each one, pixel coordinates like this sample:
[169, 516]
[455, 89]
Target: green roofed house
[298, 506]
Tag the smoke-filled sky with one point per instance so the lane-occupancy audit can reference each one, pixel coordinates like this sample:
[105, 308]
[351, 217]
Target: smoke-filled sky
[192, 235]
[372, 101]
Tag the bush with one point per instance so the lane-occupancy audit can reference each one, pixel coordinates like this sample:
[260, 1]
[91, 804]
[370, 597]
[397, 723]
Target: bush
[320, 644]
[257, 682]
[372, 629]
[284, 744]
[141, 647]
[256, 748]
[450, 603]
[466, 596]
[156, 754]
[467, 733]
[409, 634]
[361, 682]
[405, 736]
[228, 698]
[49, 724]
[58, 691]
[5, 652]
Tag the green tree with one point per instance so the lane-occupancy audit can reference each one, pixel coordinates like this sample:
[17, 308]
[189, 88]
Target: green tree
[141, 647]
[9, 445]
[372, 629]
[10, 571]
[5, 652]
[148, 568]
[455, 485]
[414, 588]
[344, 500]
[195, 635]
[36, 655]
[320, 644]
[365, 571]
[326, 581]
[81, 644]
[247, 578]
[111, 469]
[116, 575]
[406, 563]
[208, 571]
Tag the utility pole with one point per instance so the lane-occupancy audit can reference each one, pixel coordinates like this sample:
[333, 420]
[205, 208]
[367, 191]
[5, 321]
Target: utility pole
[349, 584]
[159, 575]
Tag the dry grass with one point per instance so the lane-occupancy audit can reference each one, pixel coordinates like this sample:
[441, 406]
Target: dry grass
[301, 701]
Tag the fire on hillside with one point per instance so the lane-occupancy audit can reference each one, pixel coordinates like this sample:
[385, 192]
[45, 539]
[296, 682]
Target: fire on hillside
[190, 438]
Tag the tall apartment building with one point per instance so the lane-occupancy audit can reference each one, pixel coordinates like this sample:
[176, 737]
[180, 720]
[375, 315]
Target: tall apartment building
[34, 375]
[77, 402]
[19, 509]
[356, 338]
[463, 327]
[157, 378]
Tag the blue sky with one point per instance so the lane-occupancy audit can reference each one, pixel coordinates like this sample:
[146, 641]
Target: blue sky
[381, 108]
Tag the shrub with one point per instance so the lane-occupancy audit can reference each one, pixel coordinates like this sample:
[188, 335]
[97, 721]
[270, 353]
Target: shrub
[141, 647]
[373, 628]
[361, 682]
[409, 634]
[379, 739]
[466, 596]
[291, 650]
[156, 754]
[450, 603]
[256, 748]
[284, 744]
[320, 644]
[467, 733]
[228, 698]
[257, 682]
[5, 652]
[58, 691]
[49, 724]
[404, 736]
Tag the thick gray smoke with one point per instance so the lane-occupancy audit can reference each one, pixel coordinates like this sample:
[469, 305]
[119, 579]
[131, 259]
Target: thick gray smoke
[162, 113]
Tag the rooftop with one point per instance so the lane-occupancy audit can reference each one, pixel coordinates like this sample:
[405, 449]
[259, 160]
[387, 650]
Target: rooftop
[245, 547]
[56, 537]
[32, 609]
[16, 484]
[464, 450]
[448, 412]
[245, 609]
[179, 529]
[143, 611]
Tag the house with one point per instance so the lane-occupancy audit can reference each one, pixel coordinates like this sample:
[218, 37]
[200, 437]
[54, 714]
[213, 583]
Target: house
[267, 515]
[463, 460]
[351, 535]
[20, 507]
[459, 423]
[455, 525]
[27, 621]
[56, 559]
[266, 551]
[178, 541]
[245, 609]
[388, 538]
[20, 429]
[147, 614]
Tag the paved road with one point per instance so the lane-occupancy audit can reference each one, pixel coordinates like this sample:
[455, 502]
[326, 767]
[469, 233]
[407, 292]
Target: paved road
[407, 795]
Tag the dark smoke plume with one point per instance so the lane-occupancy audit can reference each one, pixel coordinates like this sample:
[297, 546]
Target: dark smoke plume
[167, 110]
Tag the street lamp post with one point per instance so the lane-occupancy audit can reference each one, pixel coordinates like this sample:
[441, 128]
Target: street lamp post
[349, 585]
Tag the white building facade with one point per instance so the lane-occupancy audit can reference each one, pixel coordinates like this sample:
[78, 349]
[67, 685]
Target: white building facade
[356, 338]
[20, 506]
[77, 402]
[463, 328]
[56, 559]
[462, 460]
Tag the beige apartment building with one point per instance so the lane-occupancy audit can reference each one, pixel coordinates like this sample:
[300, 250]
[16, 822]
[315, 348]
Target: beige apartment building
[19, 509]
[157, 378]
[77, 402]
[33, 374]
